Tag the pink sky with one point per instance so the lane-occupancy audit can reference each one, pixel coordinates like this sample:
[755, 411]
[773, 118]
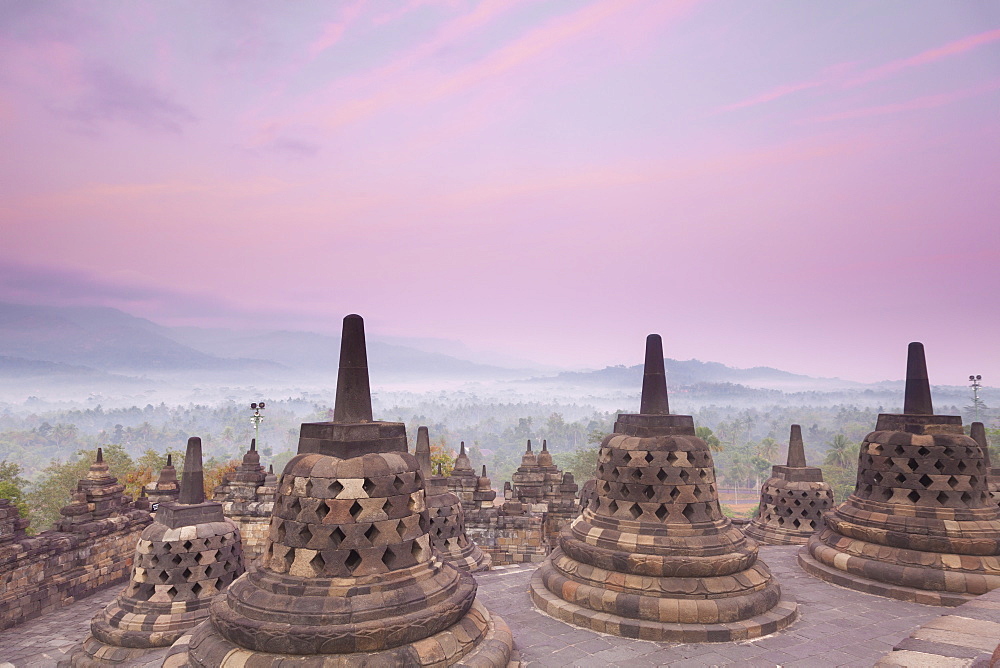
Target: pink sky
[808, 186]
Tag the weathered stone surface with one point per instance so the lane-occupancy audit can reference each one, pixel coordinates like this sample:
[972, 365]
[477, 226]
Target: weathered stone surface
[653, 557]
[247, 498]
[792, 500]
[348, 575]
[977, 432]
[447, 528]
[165, 487]
[90, 547]
[185, 557]
[920, 525]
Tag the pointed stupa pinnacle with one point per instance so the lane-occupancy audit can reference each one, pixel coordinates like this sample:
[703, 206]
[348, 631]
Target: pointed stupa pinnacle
[484, 471]
[423, 451]
[654, 379]
[462, 450]
[529, 446]
[354, 397]
[545, 445]
[440, 468]
[253, 445]
[978, 433]
[270, 469]
[100, 456]
[193, 478]
[796, 451]
[917, 400]
[170, 459]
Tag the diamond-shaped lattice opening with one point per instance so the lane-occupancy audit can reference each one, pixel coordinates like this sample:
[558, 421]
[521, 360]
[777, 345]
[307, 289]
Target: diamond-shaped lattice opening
[649, 457]
[671, 456]
[942, 498]
[154, 560]
[422, 522]
[337, 537]
[172, 592]
[913, 496]
[626, 457]
[309, 487]
[925, 480]
[661, 512]
[900, 478]
[294, 506]
[198, 557]
[279, 531]
[952, 482]
[322, 510]
[689, 512]
[163, 576]
[188, 545]
[962, 466]
[912, 464]
[368, 486]
[417, 551]
[703, 474]
[187, 573]
[288, 559]
[634, 511]
[176, 560]
[398, 483]
[335, 489]
[636, 473]
[797, 502]
[318, 564]
[389, 558]
[922, 451]
[372, 533]
[948, 452]
[797, 522]
[697, 492]
[648, 492]
[353, 560]
[661, 475]
[966, 497]
[898, 450]
[877, 478]
[355, 510]
[939, 465]
[196, 588]
[674, 493]
[613, 506]
[685, 475]
[973, 480]
[305, 535]
[600, 469]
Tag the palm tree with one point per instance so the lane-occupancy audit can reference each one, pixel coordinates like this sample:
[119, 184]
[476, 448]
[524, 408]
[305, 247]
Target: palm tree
[769, 449]
[841, 453]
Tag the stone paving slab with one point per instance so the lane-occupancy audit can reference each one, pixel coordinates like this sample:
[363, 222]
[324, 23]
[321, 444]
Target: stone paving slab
[837, 627]
[965, 636]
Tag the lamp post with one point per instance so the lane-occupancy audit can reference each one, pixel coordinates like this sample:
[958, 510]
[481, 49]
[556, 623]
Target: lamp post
[975, 393]
[256, 418]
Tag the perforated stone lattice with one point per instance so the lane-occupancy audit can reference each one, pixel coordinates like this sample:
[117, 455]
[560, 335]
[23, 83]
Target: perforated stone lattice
[656, 486]
[338, 527]
[185, 570]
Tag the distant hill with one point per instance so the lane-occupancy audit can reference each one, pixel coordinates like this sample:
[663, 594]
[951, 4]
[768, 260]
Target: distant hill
[693, 372]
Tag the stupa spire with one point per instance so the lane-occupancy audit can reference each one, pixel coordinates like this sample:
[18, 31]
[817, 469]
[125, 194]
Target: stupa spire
[423, 451]
[978, 433]
[796, 451]
[917, 400]
[253, 445]
[529, 446]
[354, 399]
[193, 477]
[654, 379]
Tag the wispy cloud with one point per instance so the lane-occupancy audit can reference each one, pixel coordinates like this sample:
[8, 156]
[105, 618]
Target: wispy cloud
[948, 50]
[915, 104]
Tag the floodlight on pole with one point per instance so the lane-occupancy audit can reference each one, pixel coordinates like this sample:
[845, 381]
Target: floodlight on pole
[256, 418]
[976, 385]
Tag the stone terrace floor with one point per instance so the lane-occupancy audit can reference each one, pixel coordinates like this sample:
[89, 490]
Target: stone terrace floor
[836, 627]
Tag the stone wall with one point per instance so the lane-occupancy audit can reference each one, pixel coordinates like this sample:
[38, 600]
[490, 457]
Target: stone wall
[254, 532]
[508, 538]
[56, 568]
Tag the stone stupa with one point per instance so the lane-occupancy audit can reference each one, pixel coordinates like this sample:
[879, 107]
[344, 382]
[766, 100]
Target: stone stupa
[977, 431]
[446, 516]
[185, 557]
[653, 557]
[920, 525]
[792, 500]
[165, 487]
[348, 577]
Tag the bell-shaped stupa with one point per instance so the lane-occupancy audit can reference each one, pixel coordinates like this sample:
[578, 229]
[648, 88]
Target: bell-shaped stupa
[977, 431]
[447, 517]
[653, 557]
[792, 500]
[348, 576]
[165, 487]
[184, 558]
[920, 525]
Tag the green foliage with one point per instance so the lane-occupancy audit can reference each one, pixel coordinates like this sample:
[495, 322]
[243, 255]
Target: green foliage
[581, 463]
[12, 486]
[705, 434]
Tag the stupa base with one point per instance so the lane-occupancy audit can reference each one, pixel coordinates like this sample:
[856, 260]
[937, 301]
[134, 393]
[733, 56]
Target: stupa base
[92, 653]
[775, 536]
[778, 617]
[479, 639]
[868, 586]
